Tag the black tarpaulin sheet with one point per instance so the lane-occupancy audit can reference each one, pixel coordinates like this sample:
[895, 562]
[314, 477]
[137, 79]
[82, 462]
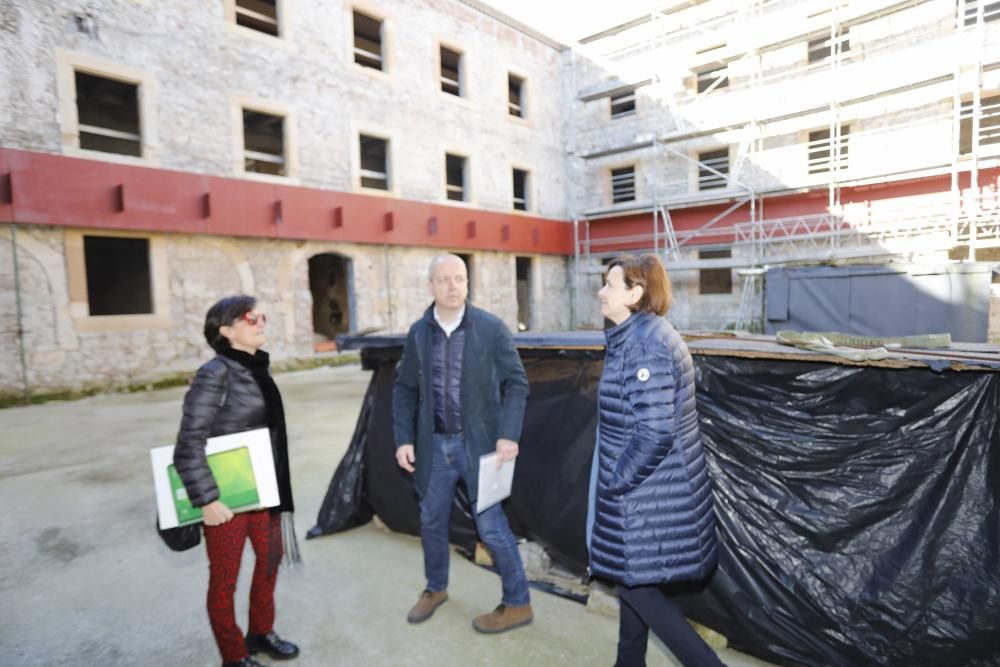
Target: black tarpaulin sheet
[559, 423]
[857, 505]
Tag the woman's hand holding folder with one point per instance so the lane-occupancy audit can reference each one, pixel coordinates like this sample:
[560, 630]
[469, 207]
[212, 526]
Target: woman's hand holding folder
[216, 513]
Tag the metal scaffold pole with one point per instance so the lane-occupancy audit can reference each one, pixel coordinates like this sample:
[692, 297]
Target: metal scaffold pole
[574, 288]
[975, 204]
[956, 139]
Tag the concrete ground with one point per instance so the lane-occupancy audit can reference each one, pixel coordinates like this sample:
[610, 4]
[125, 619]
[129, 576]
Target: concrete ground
[86, 581]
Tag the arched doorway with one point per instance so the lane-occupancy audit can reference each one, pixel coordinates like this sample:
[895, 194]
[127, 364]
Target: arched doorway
[331, 282]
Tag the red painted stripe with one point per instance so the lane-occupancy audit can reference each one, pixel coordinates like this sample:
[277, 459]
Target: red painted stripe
[73, 192]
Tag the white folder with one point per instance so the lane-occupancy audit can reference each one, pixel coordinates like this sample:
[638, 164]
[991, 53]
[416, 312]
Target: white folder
[494, 483]
[258, 441]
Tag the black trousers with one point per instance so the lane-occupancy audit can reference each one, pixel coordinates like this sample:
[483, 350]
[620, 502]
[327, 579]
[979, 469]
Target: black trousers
[646, 608]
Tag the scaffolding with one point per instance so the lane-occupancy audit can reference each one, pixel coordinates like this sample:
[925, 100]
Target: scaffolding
[954, 47]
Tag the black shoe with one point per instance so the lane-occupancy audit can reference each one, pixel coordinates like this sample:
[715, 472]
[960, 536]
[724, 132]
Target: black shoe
[245, 662]
[273, 645]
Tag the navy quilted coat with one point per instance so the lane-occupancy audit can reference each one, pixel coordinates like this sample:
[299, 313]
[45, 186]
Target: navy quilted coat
[653, 516]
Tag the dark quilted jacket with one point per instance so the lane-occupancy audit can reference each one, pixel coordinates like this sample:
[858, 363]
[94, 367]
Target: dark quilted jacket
[447, 353]
[223, 399]
[653, 518]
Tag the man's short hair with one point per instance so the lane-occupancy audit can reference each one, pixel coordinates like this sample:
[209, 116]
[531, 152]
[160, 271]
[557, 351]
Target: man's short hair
[443, 257]
[646, 270]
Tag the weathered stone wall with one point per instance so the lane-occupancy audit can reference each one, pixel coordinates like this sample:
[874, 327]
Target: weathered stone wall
[196, 69]
[64, 351]
[10, 364]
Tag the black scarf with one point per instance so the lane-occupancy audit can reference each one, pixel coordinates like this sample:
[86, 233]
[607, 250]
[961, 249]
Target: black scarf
[258, 364]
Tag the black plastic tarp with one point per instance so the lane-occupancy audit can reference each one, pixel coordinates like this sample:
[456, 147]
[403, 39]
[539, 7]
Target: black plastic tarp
[559, 424]
[857, 505]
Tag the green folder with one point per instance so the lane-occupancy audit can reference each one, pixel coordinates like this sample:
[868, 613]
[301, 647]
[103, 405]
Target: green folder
[234, 476]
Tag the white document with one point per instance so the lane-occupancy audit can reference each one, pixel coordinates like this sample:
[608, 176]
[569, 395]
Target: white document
[494, 483]
[258, 443]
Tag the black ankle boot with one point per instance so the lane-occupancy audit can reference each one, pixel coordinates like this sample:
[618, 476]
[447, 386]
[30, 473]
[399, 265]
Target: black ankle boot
[245, 662]
[273, 645]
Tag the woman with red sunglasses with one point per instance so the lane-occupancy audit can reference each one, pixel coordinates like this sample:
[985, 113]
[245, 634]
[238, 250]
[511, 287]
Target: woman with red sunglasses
[232, 393]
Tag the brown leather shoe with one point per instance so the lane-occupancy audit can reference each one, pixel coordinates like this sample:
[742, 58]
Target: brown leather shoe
[428, 602]
[502, 619]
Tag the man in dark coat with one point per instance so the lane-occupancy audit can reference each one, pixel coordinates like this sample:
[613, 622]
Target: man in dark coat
[459, 394]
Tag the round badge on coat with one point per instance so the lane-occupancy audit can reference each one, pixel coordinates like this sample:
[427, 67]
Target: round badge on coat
[642, 374]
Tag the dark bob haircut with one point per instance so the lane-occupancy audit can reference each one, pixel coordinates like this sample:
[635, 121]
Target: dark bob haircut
[646, 270]
[223, 314]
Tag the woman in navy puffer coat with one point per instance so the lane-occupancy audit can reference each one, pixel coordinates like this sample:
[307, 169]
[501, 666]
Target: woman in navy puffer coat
[653, 521]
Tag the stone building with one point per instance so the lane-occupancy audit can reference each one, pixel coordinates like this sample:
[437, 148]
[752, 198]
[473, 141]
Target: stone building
[157, 156]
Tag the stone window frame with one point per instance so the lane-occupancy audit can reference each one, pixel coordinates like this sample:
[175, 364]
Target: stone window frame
[284, 36]
[392, 150]
[708, 279]
[694, 170]
[68, 63]
[389, 62]
[468, 190]
[620, 98]
[238, 102]
[76, 276]
[526, 96]
[608, 187]
[464, 79]
[529, 190]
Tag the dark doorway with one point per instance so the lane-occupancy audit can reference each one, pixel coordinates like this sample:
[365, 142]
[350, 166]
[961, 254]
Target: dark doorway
[523, 266]
[468, 268]
[331, 284]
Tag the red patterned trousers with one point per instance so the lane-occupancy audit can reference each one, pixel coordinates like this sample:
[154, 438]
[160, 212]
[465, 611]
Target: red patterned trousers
[225, 549]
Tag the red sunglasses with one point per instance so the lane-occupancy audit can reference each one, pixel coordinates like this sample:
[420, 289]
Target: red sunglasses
[252, 319]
